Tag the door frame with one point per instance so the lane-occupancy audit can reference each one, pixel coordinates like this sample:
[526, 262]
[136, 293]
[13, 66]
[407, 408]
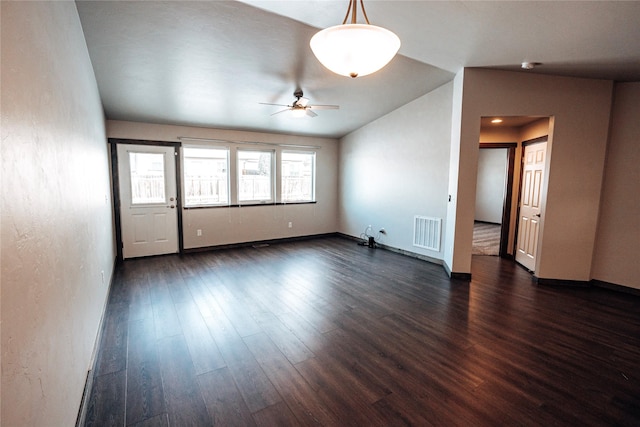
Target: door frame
[115, 188]
[544, 138]
[508, 195]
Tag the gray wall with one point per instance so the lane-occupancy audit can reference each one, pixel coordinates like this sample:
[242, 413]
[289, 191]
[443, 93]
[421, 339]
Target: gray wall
[397, 167]
[57, 244]
[490, 186]
[616, 255]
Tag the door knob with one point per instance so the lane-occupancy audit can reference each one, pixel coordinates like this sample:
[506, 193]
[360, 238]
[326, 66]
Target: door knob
[172, 206]
[538, 215]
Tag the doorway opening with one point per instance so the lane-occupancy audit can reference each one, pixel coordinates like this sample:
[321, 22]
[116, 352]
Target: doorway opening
[494, 187]
[499, 181]
[146, 191]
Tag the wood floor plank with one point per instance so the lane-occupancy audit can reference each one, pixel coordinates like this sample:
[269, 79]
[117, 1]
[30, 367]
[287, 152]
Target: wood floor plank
[278, 414]
[161, 420]
[202, 297]
[235, 311]
[164, 312]
[204, 352]
[113, 356]
[185, 404]
[304, 331]
[321, 320]
[326, 332]
[145, 393]
[409, 377]
[295, 391]
[286, 341]
[254, 386]
[403, 411]
[106, 406]
[138, 295]
[335, 372]
[223, 400]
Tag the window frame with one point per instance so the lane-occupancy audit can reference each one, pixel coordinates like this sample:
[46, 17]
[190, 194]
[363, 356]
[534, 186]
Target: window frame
[184, 177]
[133, 181]
[313, 155]
[272, 177]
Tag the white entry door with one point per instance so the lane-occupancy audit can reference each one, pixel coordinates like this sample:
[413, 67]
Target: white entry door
[148, 207]
[530, 197]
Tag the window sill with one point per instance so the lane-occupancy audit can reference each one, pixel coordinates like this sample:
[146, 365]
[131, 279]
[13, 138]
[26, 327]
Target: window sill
[249, 205]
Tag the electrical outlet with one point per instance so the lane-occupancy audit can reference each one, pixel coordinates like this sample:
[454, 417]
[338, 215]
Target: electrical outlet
[198, 232]
[290, 224]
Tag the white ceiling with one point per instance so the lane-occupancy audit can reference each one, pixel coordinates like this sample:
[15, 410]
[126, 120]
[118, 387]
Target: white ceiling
[210, 63]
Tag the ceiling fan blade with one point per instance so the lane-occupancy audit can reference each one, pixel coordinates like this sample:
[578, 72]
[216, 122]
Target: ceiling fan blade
[279, 105]
[324, 107]
[302, 101]
[310, 113]
[281, 111]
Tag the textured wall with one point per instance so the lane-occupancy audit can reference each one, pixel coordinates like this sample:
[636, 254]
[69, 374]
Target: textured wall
[490, 187]
[616, 256]
[56, 217]
[396, 167]
[579, 127]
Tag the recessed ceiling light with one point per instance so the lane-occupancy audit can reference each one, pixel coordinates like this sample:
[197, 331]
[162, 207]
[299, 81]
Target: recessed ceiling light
[496, 121]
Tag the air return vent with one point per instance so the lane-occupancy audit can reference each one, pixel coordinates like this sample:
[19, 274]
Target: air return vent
[426, 232]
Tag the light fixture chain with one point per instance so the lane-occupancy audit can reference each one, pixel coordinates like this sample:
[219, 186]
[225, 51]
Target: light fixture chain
[351, 4]
[364, 12]
[353, 9]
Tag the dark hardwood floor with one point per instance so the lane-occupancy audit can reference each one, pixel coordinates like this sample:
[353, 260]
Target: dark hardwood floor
[326, 332]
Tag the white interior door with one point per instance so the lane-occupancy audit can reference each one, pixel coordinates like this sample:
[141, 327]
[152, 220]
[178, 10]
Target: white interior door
[148, 207]
[530, 197]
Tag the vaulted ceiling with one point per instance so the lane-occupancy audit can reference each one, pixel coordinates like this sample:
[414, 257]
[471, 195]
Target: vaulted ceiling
[211, 63]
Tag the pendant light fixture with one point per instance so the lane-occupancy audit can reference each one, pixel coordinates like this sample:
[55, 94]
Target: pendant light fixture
[355, 49]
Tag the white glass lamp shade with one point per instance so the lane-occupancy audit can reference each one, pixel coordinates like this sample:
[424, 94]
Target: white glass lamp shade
[354, 49]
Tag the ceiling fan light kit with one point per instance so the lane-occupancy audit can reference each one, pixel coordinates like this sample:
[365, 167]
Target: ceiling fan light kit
[301, 112]
[354, 49]
[530, 65]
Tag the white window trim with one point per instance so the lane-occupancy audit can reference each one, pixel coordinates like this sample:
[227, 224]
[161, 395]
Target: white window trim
[313, 177]
[272, 181]
[182, 165]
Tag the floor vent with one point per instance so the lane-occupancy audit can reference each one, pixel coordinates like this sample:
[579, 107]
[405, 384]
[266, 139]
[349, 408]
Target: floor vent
[426, 232]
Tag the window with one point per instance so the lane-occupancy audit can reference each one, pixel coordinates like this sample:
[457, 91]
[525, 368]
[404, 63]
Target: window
[298, 173]
[206, 176]
[216, 175]
[255, 176]
[147, 178]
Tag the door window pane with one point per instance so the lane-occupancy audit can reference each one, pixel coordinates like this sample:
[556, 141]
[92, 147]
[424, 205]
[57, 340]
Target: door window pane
[147, 178]
[298, 173]
[206, 176]
[255, 176]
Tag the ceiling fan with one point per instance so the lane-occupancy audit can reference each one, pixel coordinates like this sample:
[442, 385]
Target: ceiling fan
[301, 106]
